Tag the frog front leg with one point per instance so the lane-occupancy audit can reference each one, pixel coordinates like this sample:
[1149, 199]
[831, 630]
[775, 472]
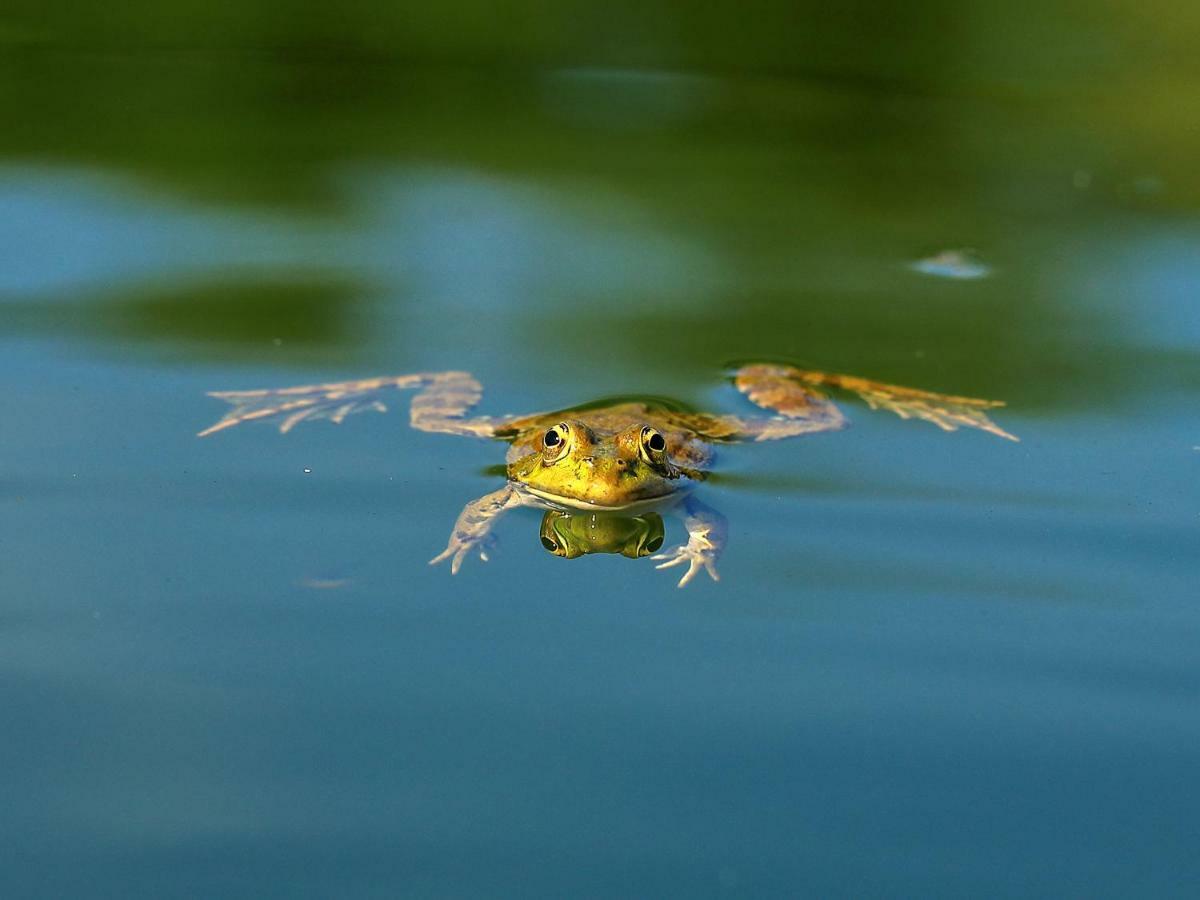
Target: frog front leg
[706, 530]
[474, 525]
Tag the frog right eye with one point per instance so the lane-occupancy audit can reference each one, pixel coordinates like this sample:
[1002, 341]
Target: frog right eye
[555, 442]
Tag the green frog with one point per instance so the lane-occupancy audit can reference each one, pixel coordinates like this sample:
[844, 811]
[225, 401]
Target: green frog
[604, 473]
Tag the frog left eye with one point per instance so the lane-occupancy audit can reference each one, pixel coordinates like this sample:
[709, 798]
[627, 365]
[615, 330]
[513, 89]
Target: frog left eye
[653, 443]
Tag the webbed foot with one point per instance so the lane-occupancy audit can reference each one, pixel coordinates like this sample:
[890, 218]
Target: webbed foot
[473, 530]
[460, 547]
[791, 392]
[698, 553]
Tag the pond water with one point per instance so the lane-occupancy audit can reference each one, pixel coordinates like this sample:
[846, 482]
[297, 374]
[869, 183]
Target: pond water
[936, 664]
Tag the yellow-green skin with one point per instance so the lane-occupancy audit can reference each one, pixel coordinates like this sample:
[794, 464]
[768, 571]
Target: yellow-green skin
[607, 457]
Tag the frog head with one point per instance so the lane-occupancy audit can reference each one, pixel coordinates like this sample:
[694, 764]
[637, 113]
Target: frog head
[571, 535]
[571, 464]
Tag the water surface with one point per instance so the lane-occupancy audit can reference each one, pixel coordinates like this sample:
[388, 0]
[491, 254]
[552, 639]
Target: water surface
[936, 665]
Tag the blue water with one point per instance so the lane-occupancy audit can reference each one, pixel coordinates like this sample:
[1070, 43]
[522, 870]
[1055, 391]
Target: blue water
[936, 665]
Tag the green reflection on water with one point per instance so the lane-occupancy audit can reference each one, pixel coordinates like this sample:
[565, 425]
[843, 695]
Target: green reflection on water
[938, 663]
[297, 320]
[810, 151]
[804, 167]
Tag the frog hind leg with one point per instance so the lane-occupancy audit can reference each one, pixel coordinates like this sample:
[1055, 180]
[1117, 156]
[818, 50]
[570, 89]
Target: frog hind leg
[780, 387]
[473, 528]
[800, 409]
[441, 404]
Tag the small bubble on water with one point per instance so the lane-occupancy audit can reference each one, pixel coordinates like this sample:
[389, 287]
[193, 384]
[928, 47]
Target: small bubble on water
[324, 584]
[958, 264]
[308, 471]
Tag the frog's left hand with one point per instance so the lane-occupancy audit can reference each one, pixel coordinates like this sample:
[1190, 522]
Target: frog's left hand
[697, 553]
[706, 539]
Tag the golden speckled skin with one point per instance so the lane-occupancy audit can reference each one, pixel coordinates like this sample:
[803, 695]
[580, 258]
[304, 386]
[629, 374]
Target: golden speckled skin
[603, 465]
[623, 456]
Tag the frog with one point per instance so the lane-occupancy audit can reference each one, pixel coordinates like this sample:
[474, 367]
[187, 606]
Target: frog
[598, 471]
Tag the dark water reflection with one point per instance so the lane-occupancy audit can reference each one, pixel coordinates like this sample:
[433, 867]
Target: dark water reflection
[936, 665]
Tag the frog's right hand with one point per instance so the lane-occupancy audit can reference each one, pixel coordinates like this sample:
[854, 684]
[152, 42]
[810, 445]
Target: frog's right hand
[460, 546]
[474, 527]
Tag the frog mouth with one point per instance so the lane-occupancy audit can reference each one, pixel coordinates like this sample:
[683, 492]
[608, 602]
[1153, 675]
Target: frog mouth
[577, 503]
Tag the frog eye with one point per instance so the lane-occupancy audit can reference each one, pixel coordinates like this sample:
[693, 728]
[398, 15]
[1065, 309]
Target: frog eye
[554, 442]
[550, 545]
[653, 443]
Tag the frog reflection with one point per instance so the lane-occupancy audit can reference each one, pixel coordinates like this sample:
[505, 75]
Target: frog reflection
[632, 457]
[574, 534]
